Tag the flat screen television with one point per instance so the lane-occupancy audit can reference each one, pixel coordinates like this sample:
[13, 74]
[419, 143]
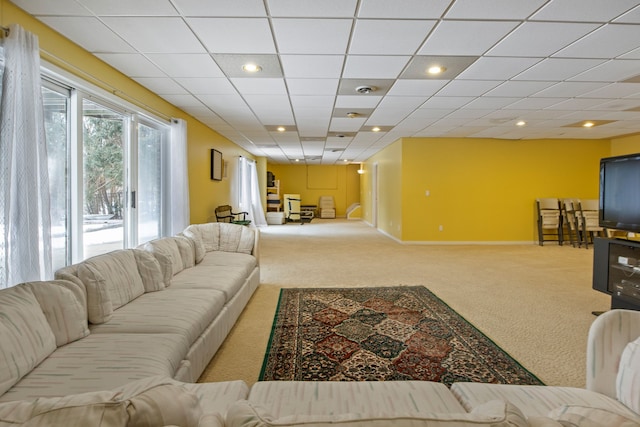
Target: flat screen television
[620, 193]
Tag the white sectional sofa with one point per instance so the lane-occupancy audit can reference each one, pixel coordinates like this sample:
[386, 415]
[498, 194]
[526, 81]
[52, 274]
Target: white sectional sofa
[93, 362]
[162, 309]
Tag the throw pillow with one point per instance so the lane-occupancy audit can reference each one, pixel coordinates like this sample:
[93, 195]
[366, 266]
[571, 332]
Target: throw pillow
[25, 335]
[583, 416]
[65, 307]
[99, 307]
[628, 379]
[149, 269]
[187, 250]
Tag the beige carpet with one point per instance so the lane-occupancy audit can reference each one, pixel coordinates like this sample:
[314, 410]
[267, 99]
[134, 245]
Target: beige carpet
[534, 302]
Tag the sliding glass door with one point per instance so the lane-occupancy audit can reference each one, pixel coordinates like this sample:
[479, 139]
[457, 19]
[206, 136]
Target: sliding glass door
[104, 199]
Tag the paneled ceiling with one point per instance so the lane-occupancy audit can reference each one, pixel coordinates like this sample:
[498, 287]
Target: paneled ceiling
[513, 69]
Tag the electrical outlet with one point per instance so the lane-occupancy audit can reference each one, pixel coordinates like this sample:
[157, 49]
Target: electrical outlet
[440, 228]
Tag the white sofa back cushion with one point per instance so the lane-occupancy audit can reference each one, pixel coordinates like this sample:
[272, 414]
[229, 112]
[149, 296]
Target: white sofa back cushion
[167, 247]
[153, 401]
[119, 271]
[628, 379]
[150, 271]
[221, 236]
[25, 334]
[64, 304]
[491, 414]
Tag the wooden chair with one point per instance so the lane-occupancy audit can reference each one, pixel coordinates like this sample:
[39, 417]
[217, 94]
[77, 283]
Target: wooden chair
[224, 213]
[549, 221]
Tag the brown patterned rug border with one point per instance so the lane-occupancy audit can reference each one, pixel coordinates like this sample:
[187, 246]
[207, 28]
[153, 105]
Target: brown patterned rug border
[381, 334]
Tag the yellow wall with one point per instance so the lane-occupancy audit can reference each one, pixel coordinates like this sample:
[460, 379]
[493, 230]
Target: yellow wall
[387, 166]
[481, 190]
[57, 50]
[340, 181]
[626, 145]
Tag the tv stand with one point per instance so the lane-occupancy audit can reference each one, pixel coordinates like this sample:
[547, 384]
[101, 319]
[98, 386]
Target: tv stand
[616, 271]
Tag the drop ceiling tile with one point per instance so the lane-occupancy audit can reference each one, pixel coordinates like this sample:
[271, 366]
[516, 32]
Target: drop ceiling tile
[387, 117]
[558, 69]
[313, 126]
[161, 86]
[312, 8]
[621, 105]
[468, 113]
[221, 7]
[576, 104]
[518, 88]
[312, 86]
[89, 33]
[633, 54]
[610, 71]
[486, 102]
[494, 68]
[615, 90]
[412, 87]
[357, 101]
[493, 9]
[207, 86]
[48, 7]
[631, 17]
[467, 87]
[128, 7]
[224, 102]
[234, 35]
[374, 67]
[312, 36]
[325, 102]
[447, 102]
[569, 89]
[312, 66]
[260, 86]
[156, 34]
[410, 9]
[533, 103]
[583, 10]
[607, 42]
[452, 37]
[346, 125]
[187, 101]
[187, 65]
[540, 39]
[131, 64]
[388, 37]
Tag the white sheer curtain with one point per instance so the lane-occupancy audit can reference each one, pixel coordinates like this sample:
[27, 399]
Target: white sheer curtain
[25, 222]
[178, 206]
[248, 192]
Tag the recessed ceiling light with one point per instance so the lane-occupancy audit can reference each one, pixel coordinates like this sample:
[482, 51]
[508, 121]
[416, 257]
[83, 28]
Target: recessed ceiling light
[435, 69]
[376, 129]
[297, 160]
[251, 68]
[588, 124]
[521, 123]
[352, 114]
[345, 160]
[281, 129]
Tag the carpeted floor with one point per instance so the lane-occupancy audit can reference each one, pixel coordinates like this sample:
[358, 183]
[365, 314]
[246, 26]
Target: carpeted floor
[381, 334]
[534, 302]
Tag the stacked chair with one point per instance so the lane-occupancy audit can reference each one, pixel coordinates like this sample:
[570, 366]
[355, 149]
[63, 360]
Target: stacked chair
[326, 207]
[549, 221]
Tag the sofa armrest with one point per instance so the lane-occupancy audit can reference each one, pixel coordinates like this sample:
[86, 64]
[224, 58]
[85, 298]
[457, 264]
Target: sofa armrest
[608, 336]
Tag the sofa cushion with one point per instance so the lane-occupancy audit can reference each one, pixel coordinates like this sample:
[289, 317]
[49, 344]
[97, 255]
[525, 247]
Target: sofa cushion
[226, 279]
[166, 247]
[187, 248]
[153, 401]
[118, 272]
[231, 259]
[534, 401]
[193, 233]
[583, 416]
[187, 312]
[628, 378]
[149, 269]
[102, 362]
[99, 306]
[236, 238]
[64, 304]
[25, 334]
[494, 414]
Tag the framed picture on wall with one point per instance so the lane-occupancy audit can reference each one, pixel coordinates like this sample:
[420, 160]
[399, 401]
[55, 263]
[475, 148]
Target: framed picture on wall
[216, 165]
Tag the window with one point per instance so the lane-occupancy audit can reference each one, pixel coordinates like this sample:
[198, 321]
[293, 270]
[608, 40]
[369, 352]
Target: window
[151, 139]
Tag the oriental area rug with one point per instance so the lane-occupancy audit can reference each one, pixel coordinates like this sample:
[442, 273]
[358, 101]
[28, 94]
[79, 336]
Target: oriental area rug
[381, 334]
